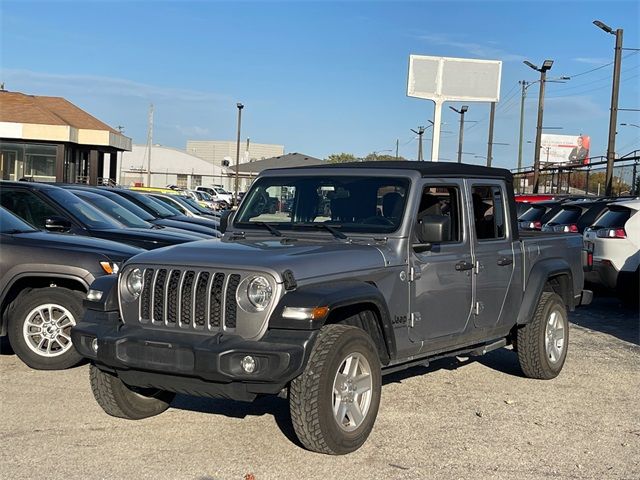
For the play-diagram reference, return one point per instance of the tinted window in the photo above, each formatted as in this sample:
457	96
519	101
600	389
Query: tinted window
9	223
442	201
153	205
613	218
28	206
169	202
84	212
534	213
123	202
112	209
566	216
488	211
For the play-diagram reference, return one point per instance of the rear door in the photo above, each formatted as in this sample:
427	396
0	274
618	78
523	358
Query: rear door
493	252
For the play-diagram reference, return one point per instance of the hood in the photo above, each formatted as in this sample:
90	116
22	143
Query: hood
77	243
306	259
143	238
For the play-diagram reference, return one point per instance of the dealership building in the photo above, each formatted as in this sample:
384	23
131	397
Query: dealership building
49	139
223	152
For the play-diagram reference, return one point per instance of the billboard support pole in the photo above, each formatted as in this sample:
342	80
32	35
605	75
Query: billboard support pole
492	117
437	120
536	162
613	119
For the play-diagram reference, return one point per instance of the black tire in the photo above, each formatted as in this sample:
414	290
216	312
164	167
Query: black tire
119	400
62	352
311	395
536	360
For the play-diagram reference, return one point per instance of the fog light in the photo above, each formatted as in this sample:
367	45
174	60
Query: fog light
94	345
248	364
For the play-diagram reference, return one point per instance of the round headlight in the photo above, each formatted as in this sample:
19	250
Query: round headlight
259	292
134	282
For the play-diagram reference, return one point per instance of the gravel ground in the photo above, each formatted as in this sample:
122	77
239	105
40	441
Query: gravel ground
456	419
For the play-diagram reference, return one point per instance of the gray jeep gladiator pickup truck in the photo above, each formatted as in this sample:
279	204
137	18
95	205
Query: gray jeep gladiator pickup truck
327	278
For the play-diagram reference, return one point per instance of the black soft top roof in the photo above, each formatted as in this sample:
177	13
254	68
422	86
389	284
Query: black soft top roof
426	169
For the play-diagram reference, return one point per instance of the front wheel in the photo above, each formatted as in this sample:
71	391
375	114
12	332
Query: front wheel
334	402
120	400
542	343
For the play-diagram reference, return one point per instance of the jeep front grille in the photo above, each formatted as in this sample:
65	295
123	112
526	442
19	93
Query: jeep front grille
189	299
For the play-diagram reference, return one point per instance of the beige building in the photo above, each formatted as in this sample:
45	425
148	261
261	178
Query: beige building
49	139
223	153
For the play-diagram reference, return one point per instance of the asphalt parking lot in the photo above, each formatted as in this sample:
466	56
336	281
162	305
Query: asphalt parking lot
476	418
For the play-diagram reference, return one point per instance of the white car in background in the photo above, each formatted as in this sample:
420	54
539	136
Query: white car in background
218	193
614	239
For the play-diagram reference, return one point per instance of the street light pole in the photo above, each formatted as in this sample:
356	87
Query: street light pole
240	107
546	66
420	132
461	112
524	84
613	118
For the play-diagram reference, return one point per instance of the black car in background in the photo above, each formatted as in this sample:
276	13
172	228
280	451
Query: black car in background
52	208
185	205
574	217
129	219
538	214
43	280
161	210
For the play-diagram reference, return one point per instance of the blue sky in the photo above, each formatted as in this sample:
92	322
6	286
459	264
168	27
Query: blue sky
319	77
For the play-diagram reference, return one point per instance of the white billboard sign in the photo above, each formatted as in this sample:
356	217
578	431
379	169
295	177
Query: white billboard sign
445	79
564	149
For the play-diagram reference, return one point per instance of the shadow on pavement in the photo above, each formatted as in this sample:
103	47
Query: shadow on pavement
608	315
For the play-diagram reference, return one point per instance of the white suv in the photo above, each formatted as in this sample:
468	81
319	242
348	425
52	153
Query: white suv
614	239
218	193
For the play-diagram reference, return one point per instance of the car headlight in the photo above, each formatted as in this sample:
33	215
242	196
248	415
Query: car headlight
133	282
254	294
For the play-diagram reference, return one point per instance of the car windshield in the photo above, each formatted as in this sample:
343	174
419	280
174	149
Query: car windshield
346	203
85	213
127	204
566	216
615	217
9	223
202	196
112	209
222	191
155	206
534	213
189	204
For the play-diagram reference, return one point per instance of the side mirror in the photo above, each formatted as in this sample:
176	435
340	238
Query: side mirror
226	218
432	229
57	224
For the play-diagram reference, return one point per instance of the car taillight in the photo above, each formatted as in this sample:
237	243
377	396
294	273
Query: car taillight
590	259
573	228
611	233
537	225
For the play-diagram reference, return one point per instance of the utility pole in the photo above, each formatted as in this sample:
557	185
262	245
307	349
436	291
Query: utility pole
524	84
546	66
149	144
397	147
240	107
461	112
613	118
492	117
420	132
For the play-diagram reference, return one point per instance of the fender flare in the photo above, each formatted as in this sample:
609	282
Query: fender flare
540	273
334	295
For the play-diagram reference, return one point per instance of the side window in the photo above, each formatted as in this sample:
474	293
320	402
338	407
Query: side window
28	206
438	203
488	212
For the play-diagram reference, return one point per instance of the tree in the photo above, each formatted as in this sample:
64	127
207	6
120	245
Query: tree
374	157
341	158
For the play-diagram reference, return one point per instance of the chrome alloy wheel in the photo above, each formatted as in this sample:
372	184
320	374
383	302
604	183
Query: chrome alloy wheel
554	343
47	328
352	388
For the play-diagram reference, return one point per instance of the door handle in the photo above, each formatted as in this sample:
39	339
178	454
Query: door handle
504	261
463	265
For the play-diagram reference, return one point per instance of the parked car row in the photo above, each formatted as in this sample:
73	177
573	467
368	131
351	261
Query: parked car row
611	233
57	238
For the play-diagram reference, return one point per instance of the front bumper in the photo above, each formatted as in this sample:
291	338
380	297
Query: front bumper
199	364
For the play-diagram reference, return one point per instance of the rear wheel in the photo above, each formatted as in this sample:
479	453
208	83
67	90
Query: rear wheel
40	323
120	400
542	343
334	403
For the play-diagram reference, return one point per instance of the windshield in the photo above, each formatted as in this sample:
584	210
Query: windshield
9	223
155	206
203	196
85	213
190	204
114	210
613	218
221	191
350	204
127	205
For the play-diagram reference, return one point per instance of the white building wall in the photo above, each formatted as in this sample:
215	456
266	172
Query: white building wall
216	150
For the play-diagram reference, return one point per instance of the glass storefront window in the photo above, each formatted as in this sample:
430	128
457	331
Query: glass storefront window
28	160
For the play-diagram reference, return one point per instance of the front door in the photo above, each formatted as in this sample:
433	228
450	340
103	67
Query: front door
441	278
493	252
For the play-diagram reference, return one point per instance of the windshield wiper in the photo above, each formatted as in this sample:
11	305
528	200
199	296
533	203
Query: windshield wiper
323	226
271	228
